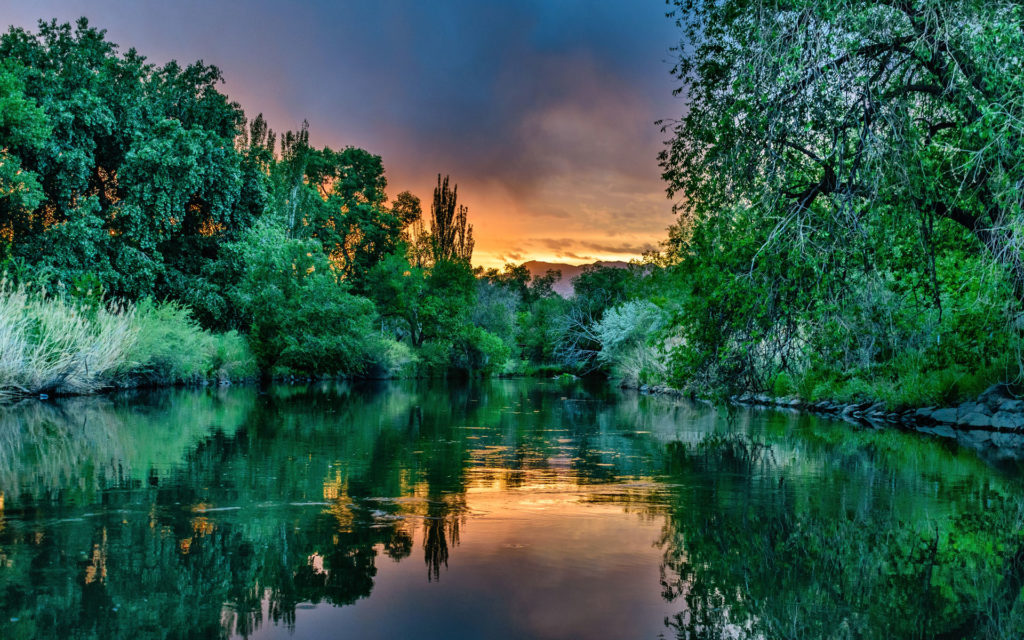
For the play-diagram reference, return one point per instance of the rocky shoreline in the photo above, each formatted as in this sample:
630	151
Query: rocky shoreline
992	424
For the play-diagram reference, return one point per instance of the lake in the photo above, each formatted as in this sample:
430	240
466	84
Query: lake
491	509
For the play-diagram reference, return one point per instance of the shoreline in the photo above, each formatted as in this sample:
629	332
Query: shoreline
992	424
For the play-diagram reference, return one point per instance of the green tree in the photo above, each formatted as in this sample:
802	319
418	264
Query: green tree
299	315
139	173
23	129
831	150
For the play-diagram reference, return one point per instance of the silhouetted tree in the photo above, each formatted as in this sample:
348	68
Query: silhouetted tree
452	237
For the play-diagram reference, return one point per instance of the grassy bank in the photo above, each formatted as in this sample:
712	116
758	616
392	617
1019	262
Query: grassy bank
56	344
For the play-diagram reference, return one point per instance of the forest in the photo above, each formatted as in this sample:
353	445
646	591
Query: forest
846	177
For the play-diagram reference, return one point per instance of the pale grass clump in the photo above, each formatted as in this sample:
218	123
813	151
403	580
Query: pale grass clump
52	345
630	345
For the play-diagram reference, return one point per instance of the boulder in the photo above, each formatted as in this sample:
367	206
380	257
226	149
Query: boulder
876	409
968	408
976	420
943	431
1013	441
947	416
1011	405
1008	420
994	394
924	412
979	439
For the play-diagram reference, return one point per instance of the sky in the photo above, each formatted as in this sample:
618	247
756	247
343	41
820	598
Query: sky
542	111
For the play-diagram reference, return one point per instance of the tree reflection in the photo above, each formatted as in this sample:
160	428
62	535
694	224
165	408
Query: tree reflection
213	513
752	554
441	525
216	513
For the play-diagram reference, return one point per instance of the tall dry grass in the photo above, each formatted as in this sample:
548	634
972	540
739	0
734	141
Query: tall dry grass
57	345
49	344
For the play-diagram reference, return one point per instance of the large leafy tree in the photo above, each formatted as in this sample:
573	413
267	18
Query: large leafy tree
823	114
23	125
139	175
828	142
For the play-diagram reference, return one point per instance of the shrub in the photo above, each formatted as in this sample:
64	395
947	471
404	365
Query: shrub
171	348
479	351
392	359
627	334
300	317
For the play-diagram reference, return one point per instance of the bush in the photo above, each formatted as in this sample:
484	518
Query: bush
171	348
393	359
479	351
628	334
300	317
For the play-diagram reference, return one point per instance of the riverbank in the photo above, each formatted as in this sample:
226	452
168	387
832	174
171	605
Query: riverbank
72	343
992	423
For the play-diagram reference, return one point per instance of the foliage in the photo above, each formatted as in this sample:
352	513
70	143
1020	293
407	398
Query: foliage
392	359
170	348
451	236
802	568
298	315
138	181
49	344
62	344
626	334
846	218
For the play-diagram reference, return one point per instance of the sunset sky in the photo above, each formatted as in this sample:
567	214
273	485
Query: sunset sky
542	111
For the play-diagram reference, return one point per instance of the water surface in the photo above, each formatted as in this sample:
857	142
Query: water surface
496	509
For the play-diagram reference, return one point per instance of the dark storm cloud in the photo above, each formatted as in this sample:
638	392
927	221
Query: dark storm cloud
550	103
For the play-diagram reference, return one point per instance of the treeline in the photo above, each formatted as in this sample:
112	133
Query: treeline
151	234
849	224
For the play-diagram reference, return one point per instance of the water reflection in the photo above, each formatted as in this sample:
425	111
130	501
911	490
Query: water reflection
538	511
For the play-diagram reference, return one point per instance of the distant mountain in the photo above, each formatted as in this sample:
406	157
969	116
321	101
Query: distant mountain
563	287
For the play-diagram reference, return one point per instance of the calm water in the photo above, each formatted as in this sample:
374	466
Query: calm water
500	509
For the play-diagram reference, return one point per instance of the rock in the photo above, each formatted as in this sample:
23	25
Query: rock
1011	405
877	408
762	399
1008	440
947	416
923	414
1007	420
968	408
976	419
995	393
943	431
980	439
849	410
